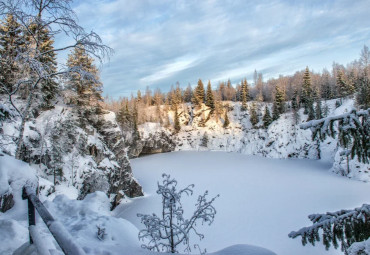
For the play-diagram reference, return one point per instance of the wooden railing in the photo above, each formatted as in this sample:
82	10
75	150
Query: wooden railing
60	234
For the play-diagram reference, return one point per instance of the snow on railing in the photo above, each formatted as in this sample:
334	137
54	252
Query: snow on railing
60	234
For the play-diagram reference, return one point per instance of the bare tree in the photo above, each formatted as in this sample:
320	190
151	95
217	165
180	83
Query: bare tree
171	229
59	19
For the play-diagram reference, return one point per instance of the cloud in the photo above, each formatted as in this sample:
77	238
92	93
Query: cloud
159	42
169	70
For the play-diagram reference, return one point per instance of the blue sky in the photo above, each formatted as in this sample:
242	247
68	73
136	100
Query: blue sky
160	42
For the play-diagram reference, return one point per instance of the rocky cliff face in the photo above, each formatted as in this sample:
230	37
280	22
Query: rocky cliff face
152	139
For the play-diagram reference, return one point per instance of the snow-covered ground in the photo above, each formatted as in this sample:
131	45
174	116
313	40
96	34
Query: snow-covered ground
261	199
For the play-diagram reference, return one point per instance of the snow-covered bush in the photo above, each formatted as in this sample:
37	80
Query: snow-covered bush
165	232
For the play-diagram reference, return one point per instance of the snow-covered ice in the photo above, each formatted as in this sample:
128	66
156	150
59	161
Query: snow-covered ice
261	200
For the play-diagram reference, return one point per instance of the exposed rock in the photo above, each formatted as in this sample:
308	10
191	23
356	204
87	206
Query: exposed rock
6	202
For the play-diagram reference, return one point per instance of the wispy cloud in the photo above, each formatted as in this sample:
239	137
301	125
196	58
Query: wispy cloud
159	42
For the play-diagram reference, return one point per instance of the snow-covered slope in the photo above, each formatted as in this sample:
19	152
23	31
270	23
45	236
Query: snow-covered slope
74	155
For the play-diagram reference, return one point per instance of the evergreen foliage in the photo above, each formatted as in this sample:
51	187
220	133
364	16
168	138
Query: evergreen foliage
176	121
12	43
353	132
244	94
210	102
86	84
363	95
345	227
345	86
49	87
254	117
198	95
307	95
279	103
205	139
267	119
226	118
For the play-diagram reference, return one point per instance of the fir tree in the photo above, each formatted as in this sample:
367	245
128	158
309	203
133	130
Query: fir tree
363	95
244	94
295	105
188	94
49	87
254	117
198	96
89	88
278	107
267	120
345	86
318	109
307	95
12	43
226	118
176	121
210	102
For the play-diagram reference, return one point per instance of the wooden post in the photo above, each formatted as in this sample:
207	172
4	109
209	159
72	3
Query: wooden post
31	211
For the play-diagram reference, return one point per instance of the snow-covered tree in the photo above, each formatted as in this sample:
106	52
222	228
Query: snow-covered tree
267	119
344	227
166	231
226	118
210	102
244	94
353	132
205	139
58	18
253	115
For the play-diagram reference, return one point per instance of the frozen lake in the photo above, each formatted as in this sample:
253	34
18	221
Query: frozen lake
261	200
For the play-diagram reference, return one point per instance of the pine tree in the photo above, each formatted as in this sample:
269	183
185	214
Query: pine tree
12	43
176	121
279	103
188	94
363	95
307	95
226	118
254	117
345	86
198	96
49	87
318	109
244	94
295	105
89	88
267	119
210	102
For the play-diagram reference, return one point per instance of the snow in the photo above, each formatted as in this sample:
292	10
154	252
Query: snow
261	200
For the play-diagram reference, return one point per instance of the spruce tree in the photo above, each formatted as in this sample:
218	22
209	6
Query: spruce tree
279	103
244	94
318	109
49	87
188	94
88	88
267	119
199	92
210	102
254	117
345	86
363	95
307	93
226	118
12	43
176	121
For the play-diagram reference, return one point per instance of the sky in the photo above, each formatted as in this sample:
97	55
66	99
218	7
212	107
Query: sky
160	42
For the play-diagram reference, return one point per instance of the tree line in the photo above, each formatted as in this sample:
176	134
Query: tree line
305	89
